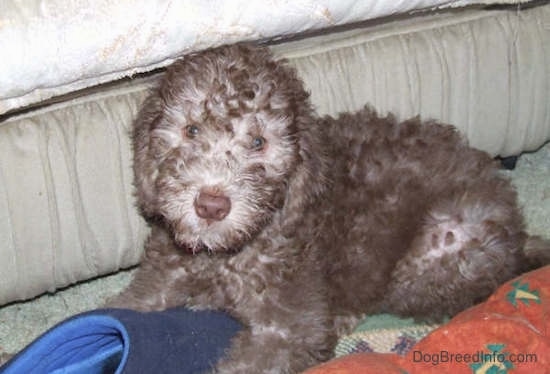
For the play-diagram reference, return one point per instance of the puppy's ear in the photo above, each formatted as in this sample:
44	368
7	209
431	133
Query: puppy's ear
310	178
145	166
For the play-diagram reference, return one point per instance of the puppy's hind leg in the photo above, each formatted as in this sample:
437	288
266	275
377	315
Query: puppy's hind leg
464	250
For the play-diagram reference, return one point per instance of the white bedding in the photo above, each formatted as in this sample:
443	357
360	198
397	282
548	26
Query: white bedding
52	47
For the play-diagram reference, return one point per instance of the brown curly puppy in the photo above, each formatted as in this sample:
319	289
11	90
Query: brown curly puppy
298	225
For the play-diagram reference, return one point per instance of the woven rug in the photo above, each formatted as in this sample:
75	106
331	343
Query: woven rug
383	333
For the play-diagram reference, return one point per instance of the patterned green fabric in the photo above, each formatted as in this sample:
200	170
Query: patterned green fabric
383	333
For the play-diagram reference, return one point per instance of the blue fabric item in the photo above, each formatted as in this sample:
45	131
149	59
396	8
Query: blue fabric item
124	341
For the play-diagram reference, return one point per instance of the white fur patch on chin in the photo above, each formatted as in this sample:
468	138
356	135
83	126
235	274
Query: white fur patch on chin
217	236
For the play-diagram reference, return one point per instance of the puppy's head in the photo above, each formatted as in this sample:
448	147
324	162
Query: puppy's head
217	145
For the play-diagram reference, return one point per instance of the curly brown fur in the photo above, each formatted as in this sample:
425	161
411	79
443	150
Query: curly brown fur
297	225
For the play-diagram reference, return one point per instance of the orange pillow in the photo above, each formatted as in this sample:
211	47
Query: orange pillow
505	334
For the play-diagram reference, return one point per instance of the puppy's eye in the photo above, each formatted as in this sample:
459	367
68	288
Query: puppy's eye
191	131
248	94
258	143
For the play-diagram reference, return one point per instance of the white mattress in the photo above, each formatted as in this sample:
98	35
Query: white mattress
52	47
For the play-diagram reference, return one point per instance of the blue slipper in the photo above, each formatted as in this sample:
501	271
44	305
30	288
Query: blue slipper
124	341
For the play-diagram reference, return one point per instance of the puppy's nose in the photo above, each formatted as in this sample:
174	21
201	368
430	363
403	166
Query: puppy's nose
212	206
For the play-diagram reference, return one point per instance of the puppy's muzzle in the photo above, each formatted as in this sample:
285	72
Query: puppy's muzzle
211	205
